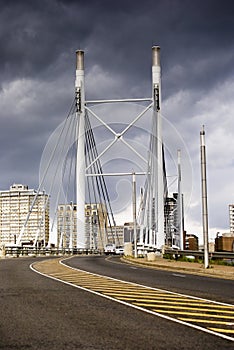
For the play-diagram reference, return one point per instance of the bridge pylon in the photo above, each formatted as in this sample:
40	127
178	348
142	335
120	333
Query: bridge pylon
151	219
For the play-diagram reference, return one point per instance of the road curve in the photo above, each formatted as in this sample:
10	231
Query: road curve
41	313
201	286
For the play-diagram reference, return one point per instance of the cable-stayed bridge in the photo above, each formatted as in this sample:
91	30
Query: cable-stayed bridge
100	142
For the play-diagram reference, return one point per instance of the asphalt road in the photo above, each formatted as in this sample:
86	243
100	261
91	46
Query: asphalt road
204	287
40	313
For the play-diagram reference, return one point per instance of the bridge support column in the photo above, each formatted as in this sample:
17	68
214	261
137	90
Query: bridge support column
80	158
159	185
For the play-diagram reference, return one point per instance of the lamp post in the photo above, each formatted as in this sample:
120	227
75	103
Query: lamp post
204	197
134	212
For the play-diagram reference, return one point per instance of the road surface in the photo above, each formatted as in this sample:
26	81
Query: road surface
42	313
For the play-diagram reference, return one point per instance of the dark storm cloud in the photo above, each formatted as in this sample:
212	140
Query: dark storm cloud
118	36
38	40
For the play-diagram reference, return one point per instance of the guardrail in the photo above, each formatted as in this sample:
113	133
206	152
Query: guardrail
31	251
18	251
200	254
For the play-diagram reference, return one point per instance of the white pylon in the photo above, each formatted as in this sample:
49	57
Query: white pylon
80	158
159	195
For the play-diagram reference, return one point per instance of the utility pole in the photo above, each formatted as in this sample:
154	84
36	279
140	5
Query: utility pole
204	198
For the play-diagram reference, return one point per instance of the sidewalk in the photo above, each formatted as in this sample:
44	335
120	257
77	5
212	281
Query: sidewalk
217	271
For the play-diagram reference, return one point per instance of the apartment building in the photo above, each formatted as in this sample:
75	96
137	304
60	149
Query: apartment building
19	207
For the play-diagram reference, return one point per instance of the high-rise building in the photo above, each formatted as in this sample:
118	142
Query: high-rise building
95	226
231	217
19	207
171	217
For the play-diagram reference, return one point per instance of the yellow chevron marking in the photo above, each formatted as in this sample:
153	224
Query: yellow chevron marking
166	302
220	330
203	321
165	297
190	314
181	307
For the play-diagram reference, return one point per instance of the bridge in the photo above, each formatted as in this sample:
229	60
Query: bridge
100	145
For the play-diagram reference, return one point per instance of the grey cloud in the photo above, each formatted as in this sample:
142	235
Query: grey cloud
38	40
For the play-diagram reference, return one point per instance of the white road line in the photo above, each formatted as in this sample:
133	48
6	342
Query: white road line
178	275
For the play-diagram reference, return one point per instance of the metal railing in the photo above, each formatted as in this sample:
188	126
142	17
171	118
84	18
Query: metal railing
200	254
33	251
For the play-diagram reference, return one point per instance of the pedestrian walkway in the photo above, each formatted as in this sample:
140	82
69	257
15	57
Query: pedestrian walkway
217	271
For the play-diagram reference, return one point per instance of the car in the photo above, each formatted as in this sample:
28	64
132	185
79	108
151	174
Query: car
110	249
119	251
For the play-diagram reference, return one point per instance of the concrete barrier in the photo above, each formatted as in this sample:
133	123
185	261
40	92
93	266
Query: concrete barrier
128	249
151	256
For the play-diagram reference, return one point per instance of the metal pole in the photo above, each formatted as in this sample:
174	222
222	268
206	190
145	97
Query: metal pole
182	211
180	231
204	198
156	92
134	212
80	157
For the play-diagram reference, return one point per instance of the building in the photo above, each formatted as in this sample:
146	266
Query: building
24	216
66	226
171	221
191	242
231	217
115	235
128	234
95	226
96	222
224	243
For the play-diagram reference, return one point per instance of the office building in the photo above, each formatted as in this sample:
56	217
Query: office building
95	226
24	216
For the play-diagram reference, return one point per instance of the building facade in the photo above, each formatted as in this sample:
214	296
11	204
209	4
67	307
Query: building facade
172	223
224	243
115	235
128	234
231	217
95	226
24	216
191	242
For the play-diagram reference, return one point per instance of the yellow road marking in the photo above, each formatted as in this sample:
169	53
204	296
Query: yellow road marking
190	314
220	330
152	300
203	321
182	307
166	302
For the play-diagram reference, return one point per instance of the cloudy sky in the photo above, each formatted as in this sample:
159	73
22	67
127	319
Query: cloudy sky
38	40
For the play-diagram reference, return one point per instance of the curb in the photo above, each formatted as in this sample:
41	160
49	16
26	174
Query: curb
204	272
